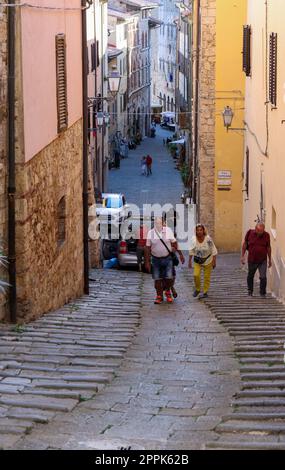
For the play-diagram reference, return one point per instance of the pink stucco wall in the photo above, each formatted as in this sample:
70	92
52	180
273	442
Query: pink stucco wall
39	28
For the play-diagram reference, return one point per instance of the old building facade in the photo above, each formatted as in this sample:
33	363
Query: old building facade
264	165
217	83
118	59
3	148
97	42
48	155
163	39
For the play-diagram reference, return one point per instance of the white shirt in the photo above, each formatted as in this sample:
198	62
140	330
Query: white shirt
156	245
204	249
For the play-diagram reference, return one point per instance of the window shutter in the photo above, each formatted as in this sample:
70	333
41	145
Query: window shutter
61	82
97	53
273	69
246	55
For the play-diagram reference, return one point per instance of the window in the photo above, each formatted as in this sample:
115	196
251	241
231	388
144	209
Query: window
246	55
61	222
93	57
61	83
273	69
97	53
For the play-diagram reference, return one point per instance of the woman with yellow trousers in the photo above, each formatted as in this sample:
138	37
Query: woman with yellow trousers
205	253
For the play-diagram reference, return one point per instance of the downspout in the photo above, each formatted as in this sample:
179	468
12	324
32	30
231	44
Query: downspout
85	147
11	165
102	94
96	181
196	117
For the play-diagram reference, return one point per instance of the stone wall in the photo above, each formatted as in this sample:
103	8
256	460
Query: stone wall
207	109
49	274
3	146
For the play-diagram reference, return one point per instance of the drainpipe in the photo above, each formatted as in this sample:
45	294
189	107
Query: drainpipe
85	146
11	166
103	64
196	117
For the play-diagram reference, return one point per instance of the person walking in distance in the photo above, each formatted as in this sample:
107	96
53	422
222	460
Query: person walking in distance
257	243
143	166
141	236
205	253
149	165
159	246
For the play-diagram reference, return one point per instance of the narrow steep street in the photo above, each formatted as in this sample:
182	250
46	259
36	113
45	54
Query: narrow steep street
112	370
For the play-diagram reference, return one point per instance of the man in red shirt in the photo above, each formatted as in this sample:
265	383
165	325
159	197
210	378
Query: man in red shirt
141	237
149	164
257	243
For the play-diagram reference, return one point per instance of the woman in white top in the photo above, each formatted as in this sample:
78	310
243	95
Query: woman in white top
205	253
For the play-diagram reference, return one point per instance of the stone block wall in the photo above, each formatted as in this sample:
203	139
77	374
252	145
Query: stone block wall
207	118
3	147
50	273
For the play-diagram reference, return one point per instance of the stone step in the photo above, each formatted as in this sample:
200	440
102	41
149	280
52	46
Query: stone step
39	402
257	348
258	416
246	371
259	401
30	414
234	426
261	393
245	445
263	384
14	429
264	375
265	362
61	384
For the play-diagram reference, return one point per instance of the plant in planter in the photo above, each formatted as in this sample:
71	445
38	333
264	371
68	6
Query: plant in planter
172	149
185	174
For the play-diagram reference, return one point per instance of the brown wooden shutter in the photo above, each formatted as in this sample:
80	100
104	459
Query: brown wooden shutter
61	82
246	54
273	69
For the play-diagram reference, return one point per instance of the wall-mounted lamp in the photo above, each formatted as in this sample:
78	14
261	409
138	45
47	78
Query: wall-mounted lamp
100	119
114	80
228	116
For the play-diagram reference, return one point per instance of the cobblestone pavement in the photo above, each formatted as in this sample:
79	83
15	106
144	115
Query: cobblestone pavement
175	382
163	186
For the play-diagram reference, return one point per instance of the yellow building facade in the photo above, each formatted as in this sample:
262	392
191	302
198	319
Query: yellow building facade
264	167
218	82
229	145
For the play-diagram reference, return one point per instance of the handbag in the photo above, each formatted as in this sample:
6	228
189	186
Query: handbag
173	255
199	260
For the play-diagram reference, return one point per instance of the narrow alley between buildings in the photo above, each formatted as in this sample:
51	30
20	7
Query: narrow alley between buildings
113	370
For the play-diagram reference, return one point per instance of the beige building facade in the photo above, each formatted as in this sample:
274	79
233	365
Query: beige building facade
264	163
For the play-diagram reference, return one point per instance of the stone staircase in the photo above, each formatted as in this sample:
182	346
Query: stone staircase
257	327
51	365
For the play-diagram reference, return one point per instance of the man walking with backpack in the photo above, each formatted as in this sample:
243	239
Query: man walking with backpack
257	243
